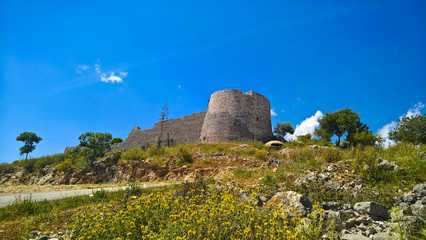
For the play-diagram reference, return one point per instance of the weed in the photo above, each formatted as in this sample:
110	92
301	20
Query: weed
134	154
261	155
331	155
268	180
240	173
183	156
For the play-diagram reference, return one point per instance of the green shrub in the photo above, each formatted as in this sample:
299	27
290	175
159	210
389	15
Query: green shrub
64	166
240	173
268	180
303	155
331	155
100	195
116	140
134	154
153	151
113	159
183	156
261	155
6	168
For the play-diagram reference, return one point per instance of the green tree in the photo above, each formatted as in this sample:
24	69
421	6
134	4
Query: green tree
341	123
117	140
29	139
304	138
366	138
92	146
281	129
410	129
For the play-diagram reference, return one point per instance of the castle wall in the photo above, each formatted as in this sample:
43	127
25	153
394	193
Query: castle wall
181	130
233	115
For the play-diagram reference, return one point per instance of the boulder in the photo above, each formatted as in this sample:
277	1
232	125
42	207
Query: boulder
420	190
373	209
388	166
294	200
352	236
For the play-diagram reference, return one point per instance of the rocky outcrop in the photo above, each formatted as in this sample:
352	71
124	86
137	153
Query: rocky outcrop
414	201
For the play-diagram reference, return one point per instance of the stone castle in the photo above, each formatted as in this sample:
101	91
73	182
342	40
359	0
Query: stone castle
231	115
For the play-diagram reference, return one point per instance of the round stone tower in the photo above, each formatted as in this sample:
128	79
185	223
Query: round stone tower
233	115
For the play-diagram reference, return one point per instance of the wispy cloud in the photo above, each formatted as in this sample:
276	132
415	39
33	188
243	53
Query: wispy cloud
307	126
384	131
273	113
112	78
81	68
105	76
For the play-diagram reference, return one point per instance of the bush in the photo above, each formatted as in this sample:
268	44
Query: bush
134	154
183	156
116	140
268	180
331	155
261	155
153	151
64	166
240	173
303	155
6	168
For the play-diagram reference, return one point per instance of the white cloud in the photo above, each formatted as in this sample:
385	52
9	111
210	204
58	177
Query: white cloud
273	113
417	110
81	68
105	76
307	126
384	131
98	68
113	78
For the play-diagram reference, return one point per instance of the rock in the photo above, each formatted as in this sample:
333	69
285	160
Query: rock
389	166
274	143
331	206
420	190
358	221
384	236
409	198
418	209
292	199
354	237
373	209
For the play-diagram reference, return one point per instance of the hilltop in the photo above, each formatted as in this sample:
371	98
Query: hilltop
323	174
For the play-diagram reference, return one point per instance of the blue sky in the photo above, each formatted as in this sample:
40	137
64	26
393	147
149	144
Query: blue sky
107	66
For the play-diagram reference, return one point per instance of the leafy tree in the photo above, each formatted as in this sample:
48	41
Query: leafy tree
304	138
410	129
281	129
366	138
92	146
29	139
117	140
341	123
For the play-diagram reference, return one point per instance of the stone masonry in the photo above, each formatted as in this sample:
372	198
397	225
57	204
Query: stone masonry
231	115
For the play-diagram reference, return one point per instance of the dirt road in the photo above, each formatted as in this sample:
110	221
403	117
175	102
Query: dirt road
57	195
